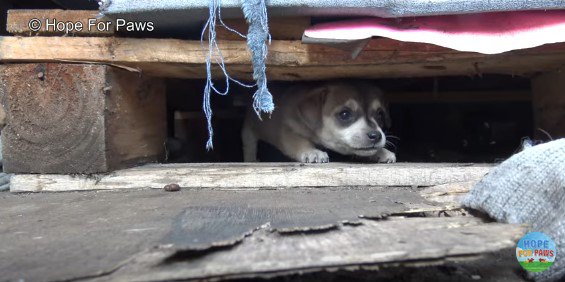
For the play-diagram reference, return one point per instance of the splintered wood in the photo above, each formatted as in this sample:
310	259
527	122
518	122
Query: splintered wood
396	242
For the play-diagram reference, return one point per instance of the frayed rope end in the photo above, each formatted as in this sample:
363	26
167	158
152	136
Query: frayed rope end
255	12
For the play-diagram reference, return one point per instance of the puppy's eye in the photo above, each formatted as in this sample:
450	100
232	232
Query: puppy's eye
345	114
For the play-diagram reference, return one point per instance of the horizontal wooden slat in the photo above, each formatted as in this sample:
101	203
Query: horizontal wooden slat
18	23
258	175
287	60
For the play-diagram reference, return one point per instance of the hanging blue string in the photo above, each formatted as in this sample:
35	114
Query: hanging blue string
255	12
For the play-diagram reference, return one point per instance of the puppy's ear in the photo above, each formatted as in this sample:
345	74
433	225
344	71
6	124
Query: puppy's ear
310	108
382	97
377	92
387	121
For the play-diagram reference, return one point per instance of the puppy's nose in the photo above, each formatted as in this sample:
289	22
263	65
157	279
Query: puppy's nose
375	136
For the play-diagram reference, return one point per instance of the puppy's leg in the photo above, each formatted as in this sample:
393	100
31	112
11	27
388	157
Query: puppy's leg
301	149
249	140
384	156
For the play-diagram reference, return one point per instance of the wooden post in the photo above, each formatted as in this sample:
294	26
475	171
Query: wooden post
80	118
549	104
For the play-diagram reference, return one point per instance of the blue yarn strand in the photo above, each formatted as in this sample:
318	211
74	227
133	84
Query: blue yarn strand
255	12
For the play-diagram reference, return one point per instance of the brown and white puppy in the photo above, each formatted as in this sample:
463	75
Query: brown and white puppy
343	117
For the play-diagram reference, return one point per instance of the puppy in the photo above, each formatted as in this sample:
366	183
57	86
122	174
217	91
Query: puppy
343	117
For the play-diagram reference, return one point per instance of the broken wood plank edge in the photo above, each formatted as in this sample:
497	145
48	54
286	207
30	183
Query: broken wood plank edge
131	69
155	258
378	266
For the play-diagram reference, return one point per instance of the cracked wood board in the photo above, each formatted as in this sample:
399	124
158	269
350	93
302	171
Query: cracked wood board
371	243
85	233
88	234
257	175
288	60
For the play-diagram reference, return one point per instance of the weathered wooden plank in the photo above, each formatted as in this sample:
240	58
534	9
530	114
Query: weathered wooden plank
73	118
202	232
136	123
284	53
18	23
287	60
58	22
371	243
549	105
257	175
449	194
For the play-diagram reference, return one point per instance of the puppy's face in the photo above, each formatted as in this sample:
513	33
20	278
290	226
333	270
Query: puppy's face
352	118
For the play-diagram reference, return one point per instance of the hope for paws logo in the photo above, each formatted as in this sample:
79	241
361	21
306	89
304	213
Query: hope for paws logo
536	252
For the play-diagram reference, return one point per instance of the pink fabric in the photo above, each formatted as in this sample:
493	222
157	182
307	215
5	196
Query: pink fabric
488	33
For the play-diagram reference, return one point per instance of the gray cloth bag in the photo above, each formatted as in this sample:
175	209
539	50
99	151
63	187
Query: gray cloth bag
529	188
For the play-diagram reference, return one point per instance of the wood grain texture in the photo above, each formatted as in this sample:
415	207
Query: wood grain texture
549	104
73	118
54	118
371	243
18	22
210	233
136	123
287	60
287	28
257	175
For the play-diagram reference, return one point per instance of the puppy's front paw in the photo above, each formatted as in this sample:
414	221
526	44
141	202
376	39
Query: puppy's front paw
384	156
314	156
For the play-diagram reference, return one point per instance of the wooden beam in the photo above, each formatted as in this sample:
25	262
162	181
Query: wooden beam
288	60
74	118
549	105
58	22
18	23
258	175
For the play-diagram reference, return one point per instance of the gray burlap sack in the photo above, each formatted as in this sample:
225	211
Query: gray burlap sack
529	188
